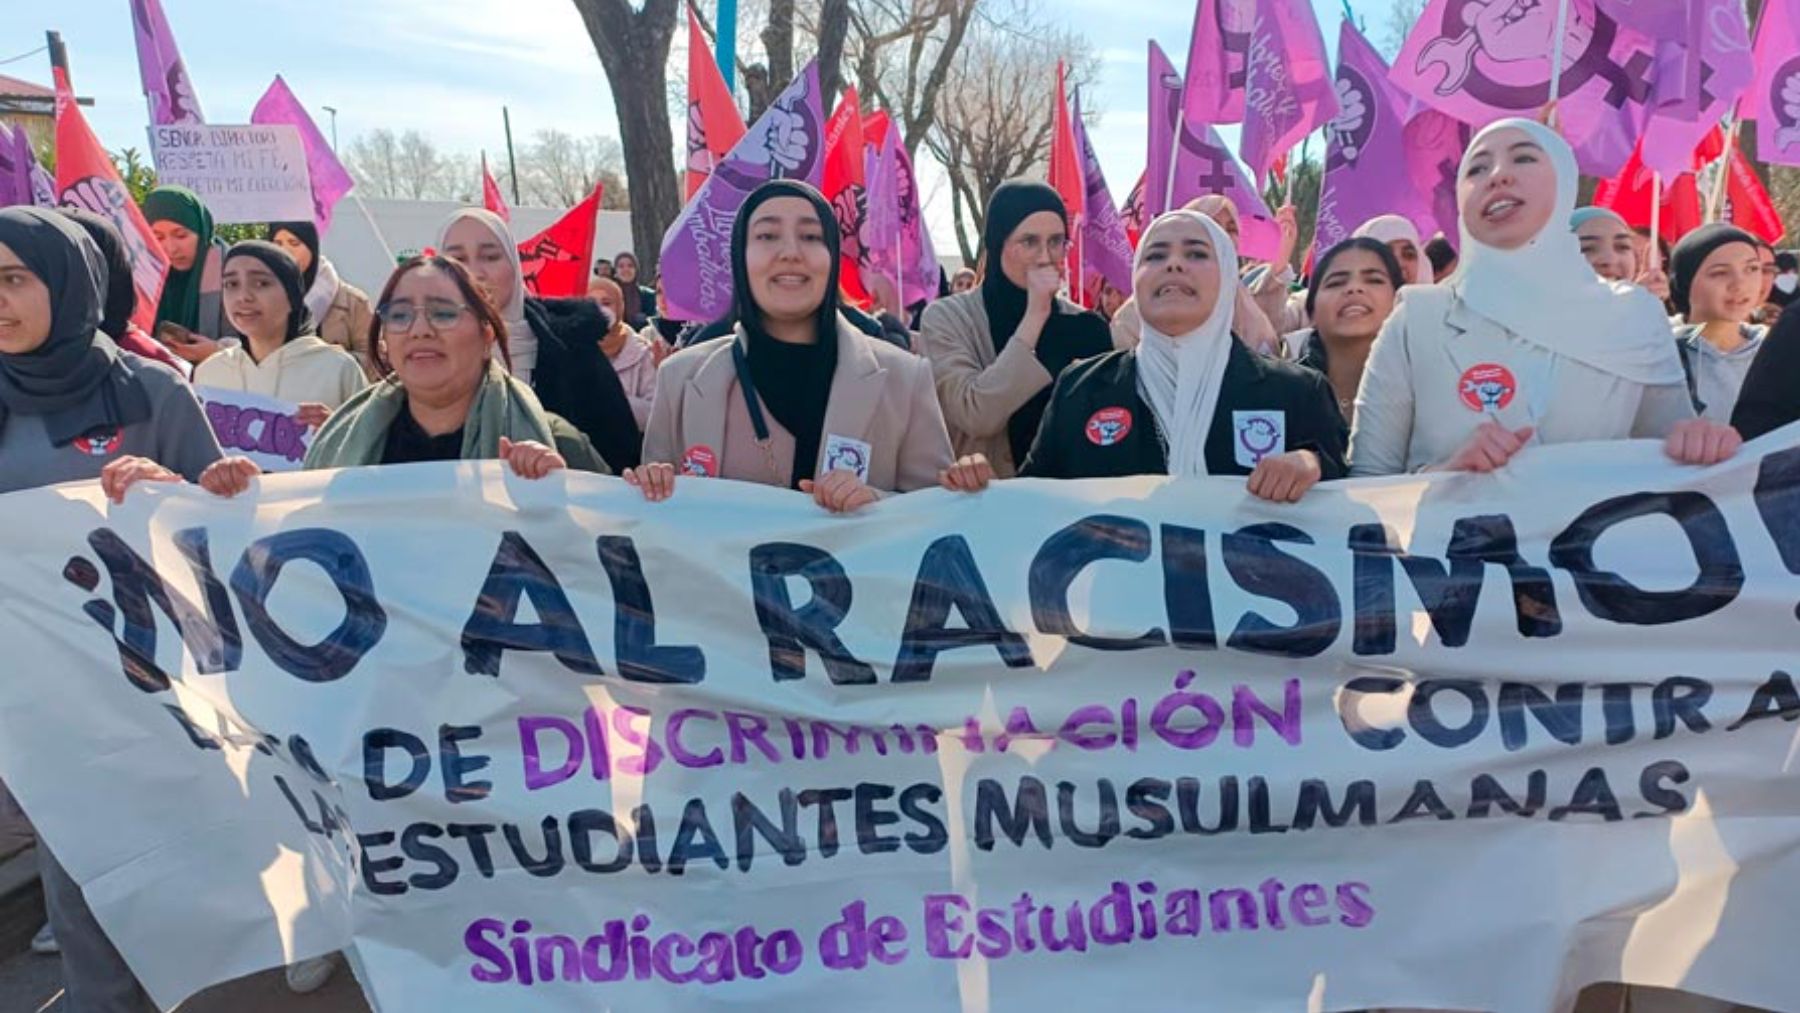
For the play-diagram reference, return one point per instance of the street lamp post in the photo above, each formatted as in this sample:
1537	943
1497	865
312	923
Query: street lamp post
333	111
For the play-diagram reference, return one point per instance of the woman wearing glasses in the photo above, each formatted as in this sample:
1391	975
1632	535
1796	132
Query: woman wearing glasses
996	349
447	397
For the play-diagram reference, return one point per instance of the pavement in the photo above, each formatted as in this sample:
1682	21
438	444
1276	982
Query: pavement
33	984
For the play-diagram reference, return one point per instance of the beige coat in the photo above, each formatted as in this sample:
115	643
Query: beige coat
346	325
880	395
636	366
980	391
1413	412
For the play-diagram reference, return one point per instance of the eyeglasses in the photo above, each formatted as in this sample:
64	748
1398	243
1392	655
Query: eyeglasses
1056	246
400	317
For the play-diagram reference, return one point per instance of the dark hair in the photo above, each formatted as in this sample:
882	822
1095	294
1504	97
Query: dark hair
472	293
1441	254
1367	244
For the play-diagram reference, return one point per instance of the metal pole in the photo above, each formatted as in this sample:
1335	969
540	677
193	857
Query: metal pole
1655	250
725	42
333	111
59	54
1556	54
1715	201
512	163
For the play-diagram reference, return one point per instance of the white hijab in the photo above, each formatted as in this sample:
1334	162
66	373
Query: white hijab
324	291
1393	229
1546	293
521	343
1180	376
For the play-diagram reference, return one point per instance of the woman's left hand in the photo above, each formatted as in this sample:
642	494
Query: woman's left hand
972	473
1285	478
312	414
530	459
1702	441
840	492
120	475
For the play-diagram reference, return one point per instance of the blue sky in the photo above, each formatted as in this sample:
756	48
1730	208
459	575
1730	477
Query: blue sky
445	67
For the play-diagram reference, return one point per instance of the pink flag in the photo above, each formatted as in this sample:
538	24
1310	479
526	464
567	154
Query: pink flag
895	236
1434	145
1198	164
330	180
1774	99
1366	157
22	180
1218	61
1106	251
786	142
166	82
1481	61
1288	92
1702	72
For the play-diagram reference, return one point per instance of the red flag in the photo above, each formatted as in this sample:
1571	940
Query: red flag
847	191
1629	192
491	197
86	178
1067	179
1751	209
1133	212
714	125
557	260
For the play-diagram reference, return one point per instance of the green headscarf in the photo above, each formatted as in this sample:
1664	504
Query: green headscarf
180	302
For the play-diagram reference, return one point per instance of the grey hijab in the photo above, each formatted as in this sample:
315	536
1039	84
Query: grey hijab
77	380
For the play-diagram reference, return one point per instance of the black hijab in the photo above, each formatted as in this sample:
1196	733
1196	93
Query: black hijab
1692	251
1067	337
121	293
793	382
308	234
282	265
76	380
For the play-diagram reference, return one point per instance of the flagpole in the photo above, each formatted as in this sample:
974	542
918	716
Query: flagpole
1174	160
386	250
1715	201
1655	250
1556	56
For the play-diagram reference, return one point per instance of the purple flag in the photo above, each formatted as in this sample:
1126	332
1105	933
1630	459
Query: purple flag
166	81
1480	61
1774	99
330	180
1288	91
882	241
1366	165
1434	145
1703	71
786	142
1218	61
1200	164
15	172
1105	249
1659	19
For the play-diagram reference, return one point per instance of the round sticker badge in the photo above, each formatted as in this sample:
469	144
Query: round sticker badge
700	461
1108	426
100	444
1487	387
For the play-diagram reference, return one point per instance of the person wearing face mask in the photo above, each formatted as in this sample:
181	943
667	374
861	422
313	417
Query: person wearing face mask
997	348
1353	289
1190	400
1606	242
280	356
795	397
1786	288
121	292
340	311
1716	286
446	394
190	318
630	354
554	344
74	406
1524	341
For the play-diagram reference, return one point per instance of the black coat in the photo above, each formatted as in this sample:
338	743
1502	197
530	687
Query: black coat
1079	436
1771	395
574	380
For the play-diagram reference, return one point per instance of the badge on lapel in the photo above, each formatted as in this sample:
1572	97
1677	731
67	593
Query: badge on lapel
699	461
1108	426
845	454
1256	435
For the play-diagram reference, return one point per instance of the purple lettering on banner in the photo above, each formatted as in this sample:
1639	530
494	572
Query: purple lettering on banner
535	775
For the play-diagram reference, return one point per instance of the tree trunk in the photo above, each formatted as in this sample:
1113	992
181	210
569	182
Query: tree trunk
834	26
633	47
765	81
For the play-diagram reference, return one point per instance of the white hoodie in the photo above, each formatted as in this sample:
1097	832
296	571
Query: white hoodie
304	370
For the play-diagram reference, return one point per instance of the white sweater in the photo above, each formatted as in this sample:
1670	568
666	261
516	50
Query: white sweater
304	370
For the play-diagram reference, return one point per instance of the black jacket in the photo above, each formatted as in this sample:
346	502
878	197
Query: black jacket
1092	400
1770	398
574	380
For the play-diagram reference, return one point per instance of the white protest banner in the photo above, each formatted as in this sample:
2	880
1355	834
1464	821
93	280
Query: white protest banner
243	173
1457	741
264	429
